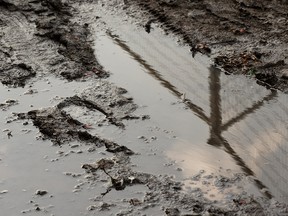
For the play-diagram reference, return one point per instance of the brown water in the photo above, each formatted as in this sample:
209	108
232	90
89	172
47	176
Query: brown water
28	164
225	124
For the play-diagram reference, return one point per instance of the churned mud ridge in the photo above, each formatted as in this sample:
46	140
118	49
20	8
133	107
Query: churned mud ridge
56	124
61	128
112	100
247	37
164	193
73	40
38	37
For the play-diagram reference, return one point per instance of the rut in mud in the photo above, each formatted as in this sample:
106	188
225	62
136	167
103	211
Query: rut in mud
39	36
176	137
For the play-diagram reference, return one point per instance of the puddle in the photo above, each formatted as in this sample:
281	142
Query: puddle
28	164
223	124
200	119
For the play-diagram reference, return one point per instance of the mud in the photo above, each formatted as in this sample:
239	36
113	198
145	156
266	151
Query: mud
243	37
38	37
58	126
43	38
164	193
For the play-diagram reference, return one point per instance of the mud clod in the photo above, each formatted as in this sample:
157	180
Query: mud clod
172	212
16	75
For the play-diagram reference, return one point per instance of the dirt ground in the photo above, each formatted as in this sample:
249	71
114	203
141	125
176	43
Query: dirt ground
40	38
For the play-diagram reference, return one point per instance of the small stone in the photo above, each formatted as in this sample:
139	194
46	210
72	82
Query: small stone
91	208
144	117
135	202
3	191
91	149
75	146
41	192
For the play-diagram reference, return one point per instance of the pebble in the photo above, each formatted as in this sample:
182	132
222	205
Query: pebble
41	192
75	146
3	191
91	208
91	149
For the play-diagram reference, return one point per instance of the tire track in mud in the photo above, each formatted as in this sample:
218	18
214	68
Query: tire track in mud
41	36
61	128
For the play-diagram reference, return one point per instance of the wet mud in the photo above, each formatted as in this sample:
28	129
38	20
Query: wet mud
243	37
39	37
43	38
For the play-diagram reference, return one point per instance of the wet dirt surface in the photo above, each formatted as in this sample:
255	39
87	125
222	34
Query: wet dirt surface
165	134
247	37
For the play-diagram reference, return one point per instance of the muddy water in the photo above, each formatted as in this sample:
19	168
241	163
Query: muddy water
201	119
168	112
28	164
